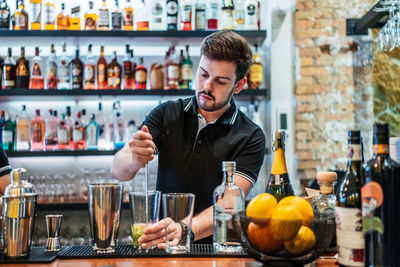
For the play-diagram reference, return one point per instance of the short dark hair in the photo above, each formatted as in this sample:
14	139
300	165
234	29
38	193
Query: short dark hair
229	46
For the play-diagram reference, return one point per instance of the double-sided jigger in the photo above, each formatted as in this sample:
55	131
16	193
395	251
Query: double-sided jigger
53	225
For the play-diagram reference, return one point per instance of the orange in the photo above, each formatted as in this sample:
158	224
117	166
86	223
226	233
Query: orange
261	207
303	242
302	205
261	238
285	222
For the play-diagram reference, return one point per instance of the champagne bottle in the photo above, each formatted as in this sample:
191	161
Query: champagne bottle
349	235
380	203
279	184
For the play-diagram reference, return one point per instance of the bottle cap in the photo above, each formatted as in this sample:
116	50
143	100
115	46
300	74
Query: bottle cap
326	180
381	134
229	166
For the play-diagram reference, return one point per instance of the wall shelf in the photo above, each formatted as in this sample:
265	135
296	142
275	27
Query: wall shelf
60	153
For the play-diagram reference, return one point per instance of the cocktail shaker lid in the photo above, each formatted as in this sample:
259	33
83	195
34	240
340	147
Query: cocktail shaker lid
19	185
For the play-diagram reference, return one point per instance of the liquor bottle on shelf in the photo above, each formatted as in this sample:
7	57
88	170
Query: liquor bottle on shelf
63	133
5	15
49	15
76	70
75	19
38	130
64	70
173	71
181	58
8	71
89	73
36	80
114	73
141	75
52	130
380	198
92	134
127	17
102	143
63	19
186	71
278	183
239	15
23	131
348	207
256	71
84	118
35	8
22	71
157	16
104	17
102	71
70	125
116	18
79	134
128	73
90	18
227	18
142	16
52	80
212	14
186	15
119	127
172	15
21	18
250	15
8	134
200	15
228	200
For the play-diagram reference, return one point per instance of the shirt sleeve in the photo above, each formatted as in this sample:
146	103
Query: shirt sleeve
5	167
155	123
251	158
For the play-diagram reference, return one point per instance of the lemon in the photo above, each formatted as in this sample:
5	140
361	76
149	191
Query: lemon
261	207
285	222
302	205
302	242
261	238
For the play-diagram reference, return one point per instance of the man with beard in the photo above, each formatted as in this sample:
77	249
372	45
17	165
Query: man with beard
193	136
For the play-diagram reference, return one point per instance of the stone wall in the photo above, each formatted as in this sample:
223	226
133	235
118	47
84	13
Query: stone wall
333	74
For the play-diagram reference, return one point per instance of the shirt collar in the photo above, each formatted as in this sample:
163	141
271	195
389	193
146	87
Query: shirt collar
229	117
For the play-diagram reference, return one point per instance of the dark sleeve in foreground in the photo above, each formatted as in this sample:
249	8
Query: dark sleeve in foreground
155	123
251	157
5	167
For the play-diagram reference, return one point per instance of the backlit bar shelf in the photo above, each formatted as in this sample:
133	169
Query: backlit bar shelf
60	153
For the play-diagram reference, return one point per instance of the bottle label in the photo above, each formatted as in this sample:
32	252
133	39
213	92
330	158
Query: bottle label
142	25
90	24
239	17
89	72
52	76
76	76
172	12
8	83
7	136
354	152
213	11
116	19
251	15
92	135
23	131
37	132
64	73
50	17
141	76
157	9
21	22
200	19
62	136
186	14
380	149
127	17
36	70
22	69
101	78
103	18
36	12
4	18
349	236
256	73
173	72
114	77
78	135
372	198
186	72
227	21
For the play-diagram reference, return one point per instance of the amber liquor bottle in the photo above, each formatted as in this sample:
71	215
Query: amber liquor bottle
114	73
8	71
128	71
102	71
89	73
5	15
21	18
22	71
76	66
141	75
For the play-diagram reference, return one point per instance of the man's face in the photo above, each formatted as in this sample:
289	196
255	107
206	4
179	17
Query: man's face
215	83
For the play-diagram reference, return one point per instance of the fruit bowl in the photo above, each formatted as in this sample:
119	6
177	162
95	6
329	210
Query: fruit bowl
255	237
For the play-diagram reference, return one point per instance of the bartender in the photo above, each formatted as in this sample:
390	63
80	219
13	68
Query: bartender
193	136
5	170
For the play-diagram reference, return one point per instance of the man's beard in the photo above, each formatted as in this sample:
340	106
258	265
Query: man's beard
216	105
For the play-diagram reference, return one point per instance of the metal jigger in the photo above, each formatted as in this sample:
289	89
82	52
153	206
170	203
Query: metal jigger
53	224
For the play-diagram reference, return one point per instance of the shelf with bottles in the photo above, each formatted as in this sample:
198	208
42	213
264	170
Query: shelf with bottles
60	153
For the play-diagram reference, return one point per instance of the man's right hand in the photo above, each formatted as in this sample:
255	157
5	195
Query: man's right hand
142	146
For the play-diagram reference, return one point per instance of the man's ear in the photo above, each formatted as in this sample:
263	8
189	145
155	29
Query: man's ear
240	85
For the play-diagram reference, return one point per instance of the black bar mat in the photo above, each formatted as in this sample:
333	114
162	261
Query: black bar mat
36	255
129	251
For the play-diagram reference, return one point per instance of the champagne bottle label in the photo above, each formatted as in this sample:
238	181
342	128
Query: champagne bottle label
349	236
36	12
7	136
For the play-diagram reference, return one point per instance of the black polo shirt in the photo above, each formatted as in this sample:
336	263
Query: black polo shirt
5	167
191	161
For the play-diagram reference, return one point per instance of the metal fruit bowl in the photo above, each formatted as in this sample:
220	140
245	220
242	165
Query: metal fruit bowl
324	231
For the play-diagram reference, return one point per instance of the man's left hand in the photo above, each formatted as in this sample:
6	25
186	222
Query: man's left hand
157	234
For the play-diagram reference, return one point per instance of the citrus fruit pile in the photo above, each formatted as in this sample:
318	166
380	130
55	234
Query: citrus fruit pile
276	226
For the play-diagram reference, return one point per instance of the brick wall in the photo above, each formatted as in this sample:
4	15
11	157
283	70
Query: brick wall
330	93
